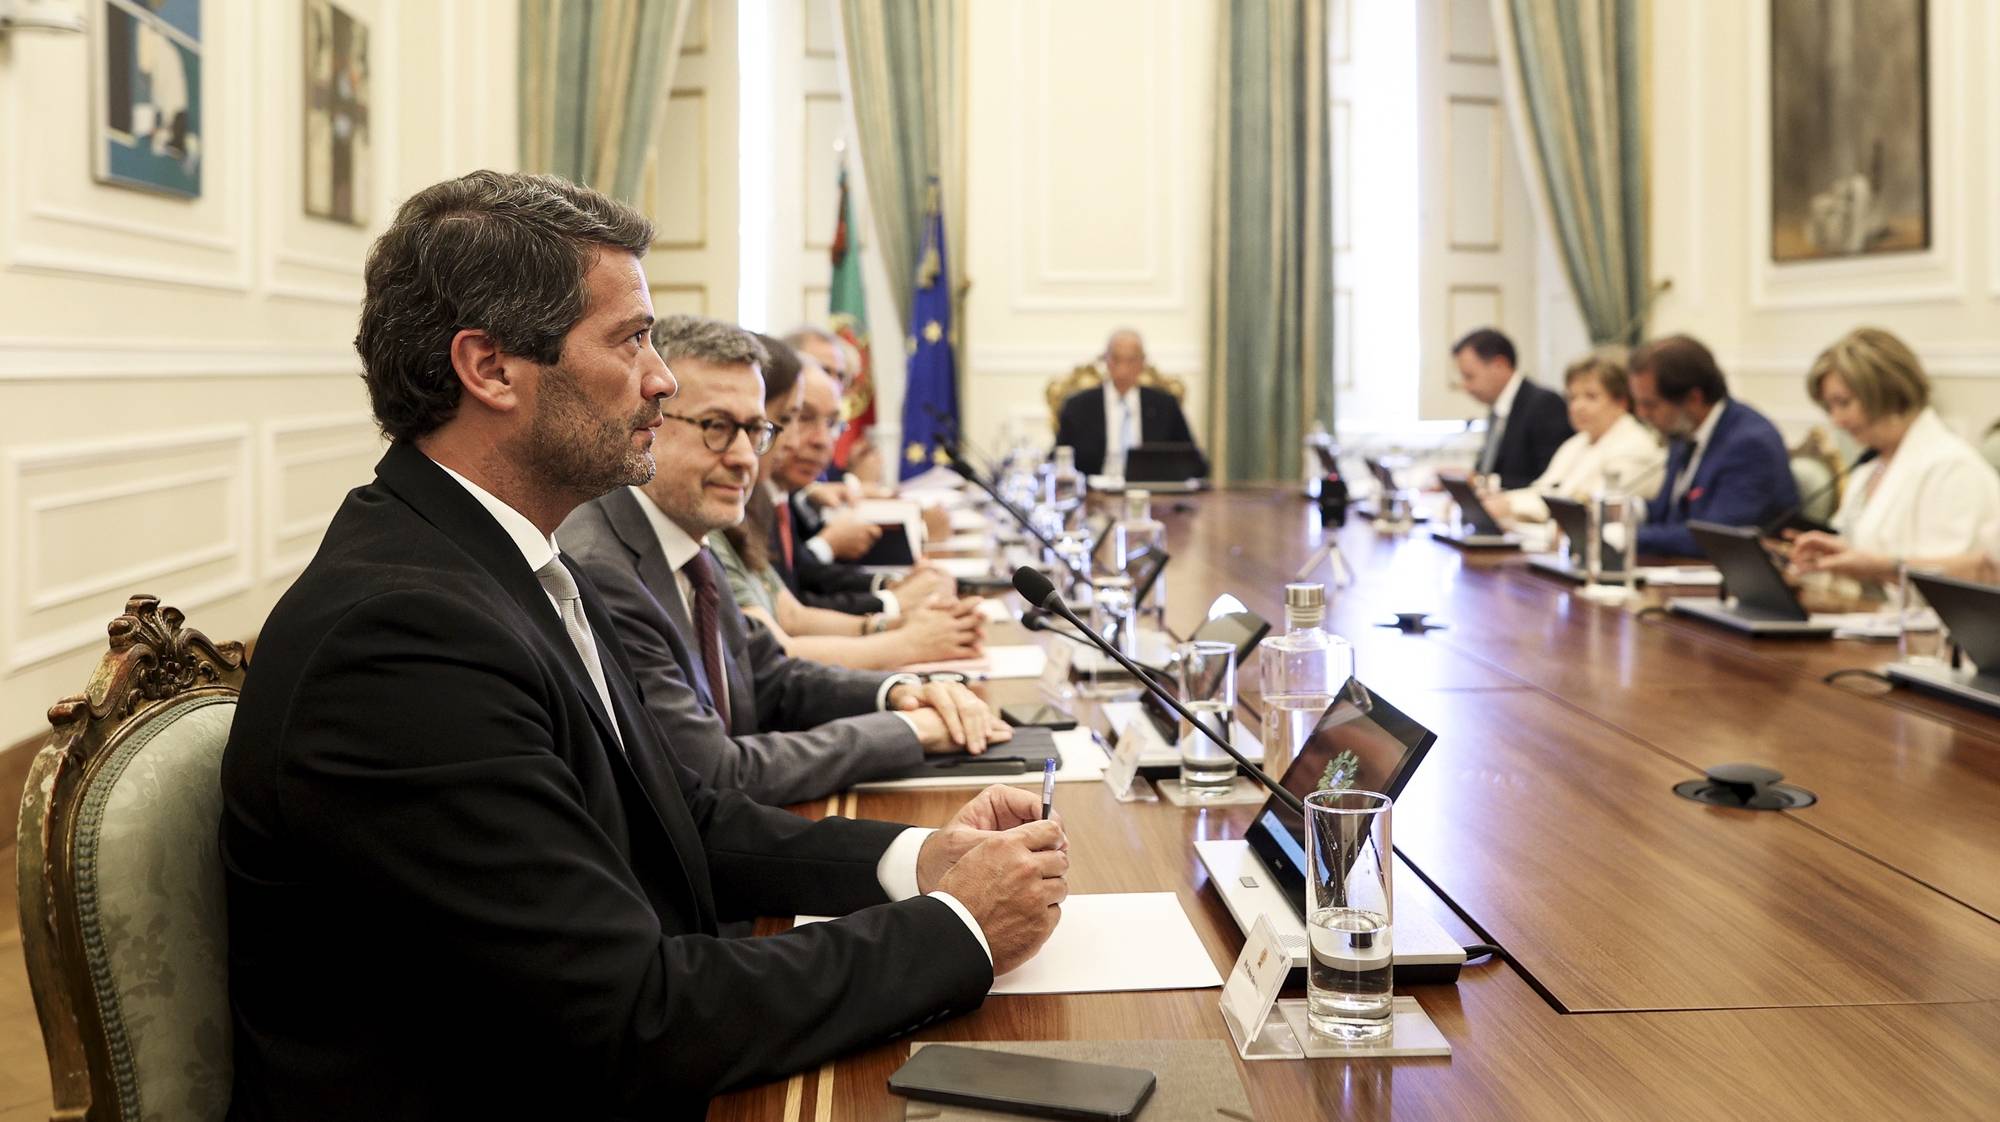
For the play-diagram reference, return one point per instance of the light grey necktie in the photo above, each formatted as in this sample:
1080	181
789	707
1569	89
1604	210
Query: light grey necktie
1490	453
558	582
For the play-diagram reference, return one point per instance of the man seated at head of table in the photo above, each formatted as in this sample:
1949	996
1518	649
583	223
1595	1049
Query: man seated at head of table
818	569
466	876
1105	422
1525	423
743	714
1610	444
1726	463
1926	494
938	627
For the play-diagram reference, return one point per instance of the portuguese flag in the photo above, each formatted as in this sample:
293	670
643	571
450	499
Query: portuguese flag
847	313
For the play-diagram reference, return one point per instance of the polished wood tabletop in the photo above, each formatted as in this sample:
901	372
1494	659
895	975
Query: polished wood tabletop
1667	959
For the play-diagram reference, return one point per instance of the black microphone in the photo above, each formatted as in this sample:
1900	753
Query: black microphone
1040	591
1792	512
1037	619
971	475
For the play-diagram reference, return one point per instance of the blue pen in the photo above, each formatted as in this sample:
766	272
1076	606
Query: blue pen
1048	787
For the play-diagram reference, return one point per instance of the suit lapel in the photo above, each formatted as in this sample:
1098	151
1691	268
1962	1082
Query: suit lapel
448	506
635	532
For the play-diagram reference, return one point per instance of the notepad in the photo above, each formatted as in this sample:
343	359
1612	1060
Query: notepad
1083	760
1111	942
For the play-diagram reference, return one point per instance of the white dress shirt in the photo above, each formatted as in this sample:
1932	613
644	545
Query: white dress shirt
1581	466
1936	497
896	871
1496	427
1703	435
1117	409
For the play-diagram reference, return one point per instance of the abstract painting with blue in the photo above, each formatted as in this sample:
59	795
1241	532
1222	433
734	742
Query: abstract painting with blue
149	123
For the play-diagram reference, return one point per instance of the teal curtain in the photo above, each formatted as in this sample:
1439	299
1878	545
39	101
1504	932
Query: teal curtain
1270	352
594	78
904	64
1575	69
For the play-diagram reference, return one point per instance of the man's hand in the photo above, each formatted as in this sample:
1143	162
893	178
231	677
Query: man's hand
963	719
937	522
829	495
1014	884
922	584
993	811
849	538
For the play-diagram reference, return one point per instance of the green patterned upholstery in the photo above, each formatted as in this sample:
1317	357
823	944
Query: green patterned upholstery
151	911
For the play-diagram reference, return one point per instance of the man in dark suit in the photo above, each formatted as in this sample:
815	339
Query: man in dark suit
1103	423
809	564
801	729
1727	462
466	877
1525	423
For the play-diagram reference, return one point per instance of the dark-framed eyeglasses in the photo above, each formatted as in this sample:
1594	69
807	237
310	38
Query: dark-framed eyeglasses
718	433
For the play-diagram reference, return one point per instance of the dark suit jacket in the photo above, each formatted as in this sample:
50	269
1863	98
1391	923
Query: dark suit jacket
452	894
835	585
1080	424
1744	479
1537	425
800	729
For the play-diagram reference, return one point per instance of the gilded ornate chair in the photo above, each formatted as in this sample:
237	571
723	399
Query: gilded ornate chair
1090	375
122	916
1816	464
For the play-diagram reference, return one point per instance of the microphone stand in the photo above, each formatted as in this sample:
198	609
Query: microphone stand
971	475
1053	602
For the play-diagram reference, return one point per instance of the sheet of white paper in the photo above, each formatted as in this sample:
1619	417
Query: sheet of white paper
1685	576
1082	760
1874	625
948	497
962	543
965	520
1116	941
995	609
1111	942
964	568
1155	650
1024	661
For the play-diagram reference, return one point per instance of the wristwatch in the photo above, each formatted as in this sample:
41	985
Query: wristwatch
946	676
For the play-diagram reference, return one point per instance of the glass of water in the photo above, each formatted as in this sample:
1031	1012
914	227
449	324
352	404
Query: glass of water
1208	689
1920	636
1348	870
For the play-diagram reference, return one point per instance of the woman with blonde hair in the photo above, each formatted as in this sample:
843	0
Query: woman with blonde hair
1926	494
1611	446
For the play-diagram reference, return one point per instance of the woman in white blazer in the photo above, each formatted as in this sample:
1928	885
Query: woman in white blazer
1927	494
1610	443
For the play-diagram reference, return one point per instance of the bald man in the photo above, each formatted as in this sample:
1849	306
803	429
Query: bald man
1103	423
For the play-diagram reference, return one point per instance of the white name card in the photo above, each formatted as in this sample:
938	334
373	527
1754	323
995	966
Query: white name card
1124	763
1055	671
1254	982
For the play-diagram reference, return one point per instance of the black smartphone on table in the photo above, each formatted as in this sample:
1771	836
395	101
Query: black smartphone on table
1023	1084
1037	714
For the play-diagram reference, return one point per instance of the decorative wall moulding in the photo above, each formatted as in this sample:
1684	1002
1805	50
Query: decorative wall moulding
65	359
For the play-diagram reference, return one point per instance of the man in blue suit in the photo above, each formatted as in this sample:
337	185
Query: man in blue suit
1727	462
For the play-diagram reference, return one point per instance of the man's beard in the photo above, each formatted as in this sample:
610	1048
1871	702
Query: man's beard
572	450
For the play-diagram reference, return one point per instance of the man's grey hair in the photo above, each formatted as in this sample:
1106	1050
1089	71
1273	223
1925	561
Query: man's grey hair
797	336
1120	332
707	340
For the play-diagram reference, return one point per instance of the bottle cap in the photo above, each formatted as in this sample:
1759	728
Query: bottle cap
1138	502
1305	604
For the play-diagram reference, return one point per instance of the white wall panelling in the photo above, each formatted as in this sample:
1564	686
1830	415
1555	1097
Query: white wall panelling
308	466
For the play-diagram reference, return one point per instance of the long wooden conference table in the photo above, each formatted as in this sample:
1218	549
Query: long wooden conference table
1668	959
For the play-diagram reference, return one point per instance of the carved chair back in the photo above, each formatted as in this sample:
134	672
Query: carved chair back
122	916
1090	375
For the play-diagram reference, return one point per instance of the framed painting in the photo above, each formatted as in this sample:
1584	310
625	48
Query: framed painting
1850	120
338	141
148	114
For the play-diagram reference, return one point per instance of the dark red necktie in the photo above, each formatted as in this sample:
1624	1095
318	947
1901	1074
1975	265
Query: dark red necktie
785	532
708	620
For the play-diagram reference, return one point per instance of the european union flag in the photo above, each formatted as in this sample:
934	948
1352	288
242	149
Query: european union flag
930	394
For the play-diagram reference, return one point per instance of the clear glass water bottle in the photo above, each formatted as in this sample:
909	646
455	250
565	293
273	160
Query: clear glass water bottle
1066	486
1299	672
1133	538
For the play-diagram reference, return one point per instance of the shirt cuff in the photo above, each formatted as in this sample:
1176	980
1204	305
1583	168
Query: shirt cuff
890	683
818	548
890	607
897	872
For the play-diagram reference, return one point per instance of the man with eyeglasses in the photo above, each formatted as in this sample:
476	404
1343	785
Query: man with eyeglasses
740	711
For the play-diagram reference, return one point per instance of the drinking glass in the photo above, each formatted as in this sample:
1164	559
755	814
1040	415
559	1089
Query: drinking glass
1208	689
1920	636
1348	913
